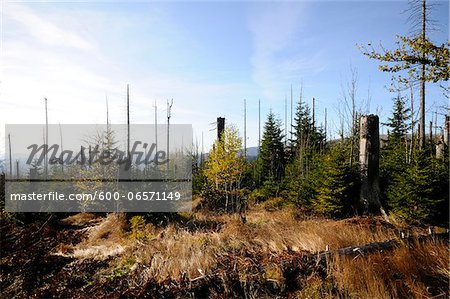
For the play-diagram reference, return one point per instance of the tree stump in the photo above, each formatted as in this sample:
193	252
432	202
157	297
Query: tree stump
220	127
369	153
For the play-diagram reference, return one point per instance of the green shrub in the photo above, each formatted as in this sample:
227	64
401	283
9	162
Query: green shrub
268	190
275	203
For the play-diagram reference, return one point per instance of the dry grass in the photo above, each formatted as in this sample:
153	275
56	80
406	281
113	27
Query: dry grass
282	231
103	240
417	271
82	219
176	251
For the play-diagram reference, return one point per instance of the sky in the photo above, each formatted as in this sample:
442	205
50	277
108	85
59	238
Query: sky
206	56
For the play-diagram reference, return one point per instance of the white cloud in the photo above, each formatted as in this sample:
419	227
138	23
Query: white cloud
74	74
43	30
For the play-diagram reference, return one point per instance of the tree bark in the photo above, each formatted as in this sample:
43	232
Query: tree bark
447	130
369	151
422	82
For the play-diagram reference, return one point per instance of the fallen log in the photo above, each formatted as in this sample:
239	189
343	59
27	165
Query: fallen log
379	246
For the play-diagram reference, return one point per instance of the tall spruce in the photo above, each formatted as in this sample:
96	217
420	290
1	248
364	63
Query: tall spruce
271	159
306	141
399	121
338	188
393	156
305	133
302	128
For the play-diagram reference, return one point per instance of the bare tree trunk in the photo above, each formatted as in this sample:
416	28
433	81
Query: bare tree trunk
220	127
411	152
245	128
259	125
431	136
352	138
422	109
422	83
369	150
128	123
46	139
10	156
440	148
447	130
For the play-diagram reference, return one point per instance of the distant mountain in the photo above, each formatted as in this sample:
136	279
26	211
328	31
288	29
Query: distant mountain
252	154
252	151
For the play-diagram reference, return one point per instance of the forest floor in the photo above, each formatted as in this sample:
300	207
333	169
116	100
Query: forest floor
204	255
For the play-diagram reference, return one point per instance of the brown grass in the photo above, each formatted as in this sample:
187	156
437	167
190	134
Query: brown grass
82	219
177	252
417	271
103	240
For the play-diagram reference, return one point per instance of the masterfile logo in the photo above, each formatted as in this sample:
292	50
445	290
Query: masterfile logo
99	168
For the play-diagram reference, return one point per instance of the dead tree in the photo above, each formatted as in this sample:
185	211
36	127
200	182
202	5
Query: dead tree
440	148
245	128
447	130
169	115
128	123
369	152
10	156
259	125
46	139
220	127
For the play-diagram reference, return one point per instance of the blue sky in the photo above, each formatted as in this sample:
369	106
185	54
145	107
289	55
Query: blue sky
207	56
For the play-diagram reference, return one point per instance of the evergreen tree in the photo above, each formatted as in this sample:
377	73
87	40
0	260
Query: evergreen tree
337	188
415	189
303	172
306	136
271	159
302	127
399	120
420	193
305	144
393	157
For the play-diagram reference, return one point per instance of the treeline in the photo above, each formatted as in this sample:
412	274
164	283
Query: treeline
322	177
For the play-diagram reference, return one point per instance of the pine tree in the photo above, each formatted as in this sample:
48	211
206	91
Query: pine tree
303	125
420	193
305	145
306	136
337	189
399	121
416	189
271	159
393	160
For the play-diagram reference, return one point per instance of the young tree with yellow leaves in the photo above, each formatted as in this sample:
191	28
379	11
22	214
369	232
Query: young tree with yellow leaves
225	168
